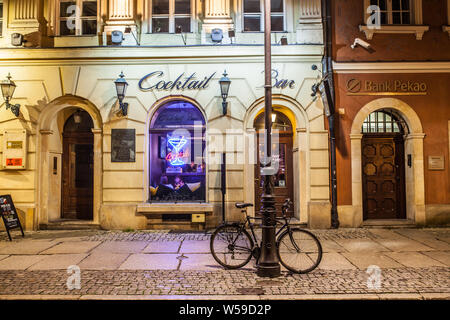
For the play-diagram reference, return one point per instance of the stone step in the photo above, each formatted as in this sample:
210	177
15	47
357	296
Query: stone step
389	223
70	225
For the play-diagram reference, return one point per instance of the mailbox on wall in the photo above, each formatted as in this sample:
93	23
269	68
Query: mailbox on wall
14	149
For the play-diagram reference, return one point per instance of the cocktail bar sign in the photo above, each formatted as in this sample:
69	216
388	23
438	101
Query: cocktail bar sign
153	81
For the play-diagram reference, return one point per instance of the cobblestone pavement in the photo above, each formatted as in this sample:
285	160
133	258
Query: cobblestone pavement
237	282
173	264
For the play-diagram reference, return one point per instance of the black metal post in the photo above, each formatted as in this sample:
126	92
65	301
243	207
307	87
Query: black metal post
223	172
327	67
268	264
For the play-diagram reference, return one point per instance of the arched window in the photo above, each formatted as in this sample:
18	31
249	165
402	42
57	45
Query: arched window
384	121
177	145
279	121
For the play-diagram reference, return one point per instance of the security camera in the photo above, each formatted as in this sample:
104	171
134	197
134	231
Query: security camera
361	43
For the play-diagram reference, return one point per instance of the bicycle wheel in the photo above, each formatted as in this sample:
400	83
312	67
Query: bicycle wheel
299	250
231	246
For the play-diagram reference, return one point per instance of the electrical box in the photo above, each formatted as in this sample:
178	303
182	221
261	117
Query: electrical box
16	39
198	217
216	35
14	149
116	37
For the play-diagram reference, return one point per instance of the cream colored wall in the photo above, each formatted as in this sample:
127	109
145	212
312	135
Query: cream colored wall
89	80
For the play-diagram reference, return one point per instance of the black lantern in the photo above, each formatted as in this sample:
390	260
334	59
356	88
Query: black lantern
8	87
224	88
121	88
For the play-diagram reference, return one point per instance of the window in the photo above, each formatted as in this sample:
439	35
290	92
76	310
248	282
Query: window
171	16
254	15
177	148
384	121
394	11
77	17
1	18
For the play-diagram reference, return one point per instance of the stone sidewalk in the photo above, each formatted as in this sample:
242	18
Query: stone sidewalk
160	264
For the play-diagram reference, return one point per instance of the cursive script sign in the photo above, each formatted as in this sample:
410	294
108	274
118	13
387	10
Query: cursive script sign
182	82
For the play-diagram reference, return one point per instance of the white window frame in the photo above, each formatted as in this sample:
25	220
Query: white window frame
78	18
389	12
172	17
416	27
261	15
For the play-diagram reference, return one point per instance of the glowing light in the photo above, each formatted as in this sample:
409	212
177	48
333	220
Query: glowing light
175	156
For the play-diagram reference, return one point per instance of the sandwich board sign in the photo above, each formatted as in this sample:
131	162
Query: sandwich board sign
9	215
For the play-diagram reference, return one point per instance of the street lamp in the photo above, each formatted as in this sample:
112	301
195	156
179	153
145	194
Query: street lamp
268	263
224	88
121	88
8	87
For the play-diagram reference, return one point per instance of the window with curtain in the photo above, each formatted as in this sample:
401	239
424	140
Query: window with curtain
77	18
253	12
171	16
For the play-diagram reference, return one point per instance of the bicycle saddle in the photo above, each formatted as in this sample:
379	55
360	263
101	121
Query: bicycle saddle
242	205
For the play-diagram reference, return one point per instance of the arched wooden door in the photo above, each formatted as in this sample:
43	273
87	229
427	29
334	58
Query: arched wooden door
383	166
78	167
284	178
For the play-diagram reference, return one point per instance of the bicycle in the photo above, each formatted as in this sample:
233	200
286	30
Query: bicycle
298	250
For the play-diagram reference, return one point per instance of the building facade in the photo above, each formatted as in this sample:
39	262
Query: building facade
73	154
393	98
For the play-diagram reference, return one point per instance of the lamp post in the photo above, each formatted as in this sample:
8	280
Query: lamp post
268	264
121	88
224	88
8	87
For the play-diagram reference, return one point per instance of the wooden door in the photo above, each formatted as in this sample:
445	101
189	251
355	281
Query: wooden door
383	176
78	175
283	180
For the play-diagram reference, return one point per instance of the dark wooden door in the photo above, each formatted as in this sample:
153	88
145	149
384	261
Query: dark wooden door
78	175
283	180
383	176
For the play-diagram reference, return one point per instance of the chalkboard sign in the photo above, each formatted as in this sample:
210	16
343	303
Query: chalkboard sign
9	215
123	145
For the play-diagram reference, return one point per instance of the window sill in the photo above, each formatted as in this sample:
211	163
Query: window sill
446	29
418	30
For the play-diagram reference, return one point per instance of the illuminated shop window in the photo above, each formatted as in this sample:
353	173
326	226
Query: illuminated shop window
394	12
171	16
77	17
177	145
384	121
254	15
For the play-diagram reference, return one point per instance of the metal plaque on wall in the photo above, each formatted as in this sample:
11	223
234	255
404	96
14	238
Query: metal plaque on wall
123	145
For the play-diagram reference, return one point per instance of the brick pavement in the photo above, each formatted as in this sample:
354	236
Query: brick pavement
414	262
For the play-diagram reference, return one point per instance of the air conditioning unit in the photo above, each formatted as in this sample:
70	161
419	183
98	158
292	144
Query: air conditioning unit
17	39
117	37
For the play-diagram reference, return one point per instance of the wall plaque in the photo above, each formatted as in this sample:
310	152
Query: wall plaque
436	163
123	145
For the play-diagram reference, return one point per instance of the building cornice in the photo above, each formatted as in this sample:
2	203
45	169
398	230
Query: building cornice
157	55
391	67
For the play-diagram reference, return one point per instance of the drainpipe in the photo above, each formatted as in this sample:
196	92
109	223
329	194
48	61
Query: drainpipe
327	73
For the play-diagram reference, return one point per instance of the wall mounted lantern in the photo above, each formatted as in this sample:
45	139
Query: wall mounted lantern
224	88
8	87
121	88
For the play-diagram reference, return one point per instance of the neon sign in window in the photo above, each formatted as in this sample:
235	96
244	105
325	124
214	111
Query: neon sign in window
176	156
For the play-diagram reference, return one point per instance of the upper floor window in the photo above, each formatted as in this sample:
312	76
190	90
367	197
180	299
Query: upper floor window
253	12
77	17
1	18
394	11
170	16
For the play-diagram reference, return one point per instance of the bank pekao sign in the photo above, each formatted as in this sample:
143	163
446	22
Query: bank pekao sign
359	87
153	81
